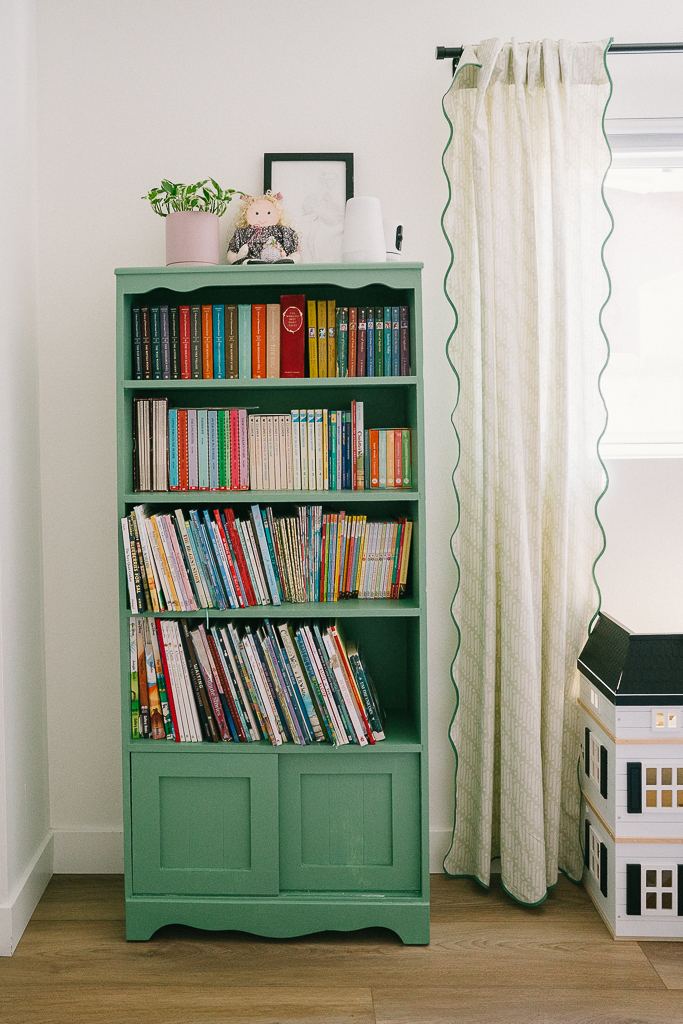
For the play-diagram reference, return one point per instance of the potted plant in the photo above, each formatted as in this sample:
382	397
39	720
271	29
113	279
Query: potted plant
191	213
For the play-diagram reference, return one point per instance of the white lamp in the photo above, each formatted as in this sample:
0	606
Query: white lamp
363	240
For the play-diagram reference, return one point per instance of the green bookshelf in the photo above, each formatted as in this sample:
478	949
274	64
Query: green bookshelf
289	840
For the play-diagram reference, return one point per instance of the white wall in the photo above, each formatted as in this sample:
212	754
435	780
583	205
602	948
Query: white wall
25	848
139	89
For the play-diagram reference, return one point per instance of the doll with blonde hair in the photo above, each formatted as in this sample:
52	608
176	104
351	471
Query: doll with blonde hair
264	233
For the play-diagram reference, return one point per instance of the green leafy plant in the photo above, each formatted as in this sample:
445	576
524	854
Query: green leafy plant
202	196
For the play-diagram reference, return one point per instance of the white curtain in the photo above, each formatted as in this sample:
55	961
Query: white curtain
526	223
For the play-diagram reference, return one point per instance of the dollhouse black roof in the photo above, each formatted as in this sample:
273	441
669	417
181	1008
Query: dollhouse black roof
633	668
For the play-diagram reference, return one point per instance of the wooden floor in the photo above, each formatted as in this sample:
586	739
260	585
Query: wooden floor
489	961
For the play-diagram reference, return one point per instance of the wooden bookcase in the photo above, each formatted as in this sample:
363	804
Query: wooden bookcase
289	840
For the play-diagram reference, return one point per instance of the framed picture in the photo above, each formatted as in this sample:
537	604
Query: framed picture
314	187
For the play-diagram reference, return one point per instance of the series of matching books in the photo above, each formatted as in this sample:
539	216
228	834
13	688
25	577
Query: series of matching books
257	341
180	564
302	684
230	449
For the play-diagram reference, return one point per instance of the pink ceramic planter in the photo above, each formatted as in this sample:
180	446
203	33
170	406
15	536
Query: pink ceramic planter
192	239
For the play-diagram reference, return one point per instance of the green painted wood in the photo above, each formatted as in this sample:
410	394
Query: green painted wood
365	809
204	827
350	825
284	916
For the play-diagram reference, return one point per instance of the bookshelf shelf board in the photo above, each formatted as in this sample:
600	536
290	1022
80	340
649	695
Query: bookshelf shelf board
391	494
404	607
314	383
402	736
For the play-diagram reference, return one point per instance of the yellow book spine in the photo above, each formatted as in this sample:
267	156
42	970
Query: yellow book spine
312	340
332	338
322	339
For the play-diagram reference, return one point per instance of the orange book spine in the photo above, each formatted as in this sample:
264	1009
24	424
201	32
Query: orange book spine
258	342
374	458
273	339
207	342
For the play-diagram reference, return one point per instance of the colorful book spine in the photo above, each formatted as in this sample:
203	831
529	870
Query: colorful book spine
370	341
322	338
136	351
332	370
196	342
258	342
185	344
207	342
174	341
292	335
155	328
312	333
404	340
231	343
146	343
395	341
361	356
273	340
173	467
165	332
218	330
388	343
244	340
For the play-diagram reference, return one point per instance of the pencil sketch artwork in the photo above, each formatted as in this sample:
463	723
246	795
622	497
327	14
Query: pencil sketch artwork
314	194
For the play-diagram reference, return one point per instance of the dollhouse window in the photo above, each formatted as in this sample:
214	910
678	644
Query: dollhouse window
659	890
594	856
594	772
664	719
595	698
664	787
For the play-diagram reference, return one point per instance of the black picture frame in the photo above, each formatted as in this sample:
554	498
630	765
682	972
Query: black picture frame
270	158
315	188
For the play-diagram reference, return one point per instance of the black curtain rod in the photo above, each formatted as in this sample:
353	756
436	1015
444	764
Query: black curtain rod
455	52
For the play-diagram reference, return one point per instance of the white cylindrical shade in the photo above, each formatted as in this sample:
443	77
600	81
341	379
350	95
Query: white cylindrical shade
363	240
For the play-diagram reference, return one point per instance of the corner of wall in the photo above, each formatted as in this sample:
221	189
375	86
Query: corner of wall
16	913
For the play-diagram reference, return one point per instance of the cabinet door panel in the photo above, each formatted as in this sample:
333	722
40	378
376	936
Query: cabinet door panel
204	825
350	823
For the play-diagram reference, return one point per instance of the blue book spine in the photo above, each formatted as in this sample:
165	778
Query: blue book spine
271	647
173	449
265	554
155	334
203	449
137	373
220	559
271	551
395	342
212	420
207	560
201	567
310	672
165	343
370	342
244	341
388	371
219	342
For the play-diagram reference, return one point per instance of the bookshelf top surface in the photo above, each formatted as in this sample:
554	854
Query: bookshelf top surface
271	268
137	280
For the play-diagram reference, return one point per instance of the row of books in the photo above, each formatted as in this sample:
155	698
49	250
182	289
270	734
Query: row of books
256	341
180	564
231	449
302	684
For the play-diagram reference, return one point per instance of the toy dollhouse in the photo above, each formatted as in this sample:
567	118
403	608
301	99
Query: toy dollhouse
631	775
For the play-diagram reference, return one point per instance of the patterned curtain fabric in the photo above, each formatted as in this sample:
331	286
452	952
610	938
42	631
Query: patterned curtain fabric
526	223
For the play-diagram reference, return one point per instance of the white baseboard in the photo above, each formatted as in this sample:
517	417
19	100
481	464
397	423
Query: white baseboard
16	913
88	852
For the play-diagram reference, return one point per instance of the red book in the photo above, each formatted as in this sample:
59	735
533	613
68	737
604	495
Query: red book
167	676
225	686
258	342
351	681
236	579
292	335
239	555
353	336
183	469
398	458
185	351
207	342
234	450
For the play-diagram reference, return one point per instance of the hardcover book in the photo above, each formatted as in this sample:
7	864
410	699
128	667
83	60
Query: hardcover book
292	335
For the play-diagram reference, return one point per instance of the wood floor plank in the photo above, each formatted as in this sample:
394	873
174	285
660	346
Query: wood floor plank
82	898
177	1004
96	952
667	960
539	1005
467	899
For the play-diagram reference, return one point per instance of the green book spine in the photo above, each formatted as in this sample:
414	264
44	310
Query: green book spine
196	342
221	449
406	458
388	344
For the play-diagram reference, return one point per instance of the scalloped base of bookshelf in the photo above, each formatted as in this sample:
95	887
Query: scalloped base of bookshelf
281	917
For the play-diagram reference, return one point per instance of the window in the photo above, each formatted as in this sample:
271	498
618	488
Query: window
665	719
659	890
595	766
663	787
595	699
643	383
594	856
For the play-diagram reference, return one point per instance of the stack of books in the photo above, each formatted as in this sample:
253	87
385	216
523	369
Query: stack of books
180	564
231	449
266	340
301	685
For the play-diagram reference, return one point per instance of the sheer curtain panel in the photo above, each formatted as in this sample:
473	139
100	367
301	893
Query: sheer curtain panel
526	223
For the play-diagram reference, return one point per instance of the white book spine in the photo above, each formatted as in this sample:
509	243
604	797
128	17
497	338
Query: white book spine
296	450
191	560
129	566
174	568
312	474
173	684
252	452
264	691
272	478
351	707
333	710
235	678
319	468
277	454
180	562
147	558
267	486
282	423
326	451
195	724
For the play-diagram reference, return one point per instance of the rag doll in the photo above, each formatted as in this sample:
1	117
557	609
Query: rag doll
263	233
